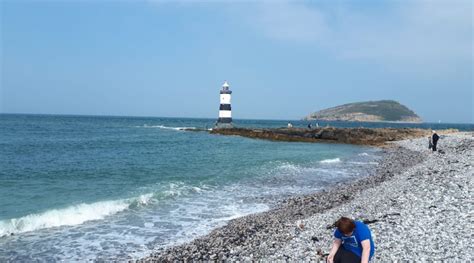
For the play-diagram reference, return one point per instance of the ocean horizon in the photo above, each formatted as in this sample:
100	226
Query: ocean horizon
463	126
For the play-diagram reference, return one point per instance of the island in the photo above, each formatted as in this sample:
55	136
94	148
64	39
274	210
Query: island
368	111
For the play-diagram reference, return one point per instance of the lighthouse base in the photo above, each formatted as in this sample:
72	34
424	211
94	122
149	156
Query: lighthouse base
221	125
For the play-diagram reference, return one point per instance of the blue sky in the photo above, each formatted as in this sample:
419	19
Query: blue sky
283	59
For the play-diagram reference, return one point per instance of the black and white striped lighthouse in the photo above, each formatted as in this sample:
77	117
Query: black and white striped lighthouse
225	111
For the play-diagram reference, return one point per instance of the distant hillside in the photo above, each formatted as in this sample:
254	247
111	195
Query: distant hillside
382	110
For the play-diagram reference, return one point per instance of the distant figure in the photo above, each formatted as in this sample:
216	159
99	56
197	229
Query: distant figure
434	139
317	125
352	242
309	126
290	125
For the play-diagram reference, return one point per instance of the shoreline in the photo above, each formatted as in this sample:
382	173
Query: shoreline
290	231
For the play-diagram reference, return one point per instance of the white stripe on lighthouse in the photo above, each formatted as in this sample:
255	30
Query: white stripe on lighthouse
225	114
225	98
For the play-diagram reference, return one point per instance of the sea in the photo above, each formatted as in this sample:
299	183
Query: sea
80	188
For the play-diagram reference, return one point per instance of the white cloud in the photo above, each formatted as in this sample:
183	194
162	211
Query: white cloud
427	35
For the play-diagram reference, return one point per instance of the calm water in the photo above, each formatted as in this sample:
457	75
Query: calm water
77	187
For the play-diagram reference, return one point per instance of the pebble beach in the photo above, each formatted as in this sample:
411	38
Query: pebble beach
418	204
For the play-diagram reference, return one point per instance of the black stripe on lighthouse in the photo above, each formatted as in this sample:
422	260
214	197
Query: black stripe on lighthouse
224	120
225	107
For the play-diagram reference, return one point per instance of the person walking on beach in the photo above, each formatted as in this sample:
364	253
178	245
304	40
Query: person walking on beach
309	126
434	139
352	242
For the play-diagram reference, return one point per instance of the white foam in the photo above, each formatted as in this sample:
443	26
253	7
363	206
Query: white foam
145	199
289	166
69	216
335	160
148	225
294	169
196	189
234	211
363	154
166	127
363	163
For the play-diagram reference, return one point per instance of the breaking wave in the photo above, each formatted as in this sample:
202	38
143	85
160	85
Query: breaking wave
69	216
335	160
166	127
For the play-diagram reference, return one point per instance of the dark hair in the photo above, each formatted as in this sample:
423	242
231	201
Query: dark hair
345	225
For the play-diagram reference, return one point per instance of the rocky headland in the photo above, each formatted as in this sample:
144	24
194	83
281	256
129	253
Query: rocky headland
418	204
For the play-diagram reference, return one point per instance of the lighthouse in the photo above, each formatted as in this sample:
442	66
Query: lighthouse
225	112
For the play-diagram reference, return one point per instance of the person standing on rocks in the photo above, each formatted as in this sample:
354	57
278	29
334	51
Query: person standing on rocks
434	139
352	242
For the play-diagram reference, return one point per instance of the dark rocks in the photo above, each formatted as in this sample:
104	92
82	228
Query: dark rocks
391	214
362	136
368	221
332	226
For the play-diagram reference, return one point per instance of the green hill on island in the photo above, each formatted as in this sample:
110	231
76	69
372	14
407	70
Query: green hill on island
368	111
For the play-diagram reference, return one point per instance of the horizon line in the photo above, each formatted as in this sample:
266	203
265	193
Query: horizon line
177	117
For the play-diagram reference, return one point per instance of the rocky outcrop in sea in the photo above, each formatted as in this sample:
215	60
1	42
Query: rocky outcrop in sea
360	136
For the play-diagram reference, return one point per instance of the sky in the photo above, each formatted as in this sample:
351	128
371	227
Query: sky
282	59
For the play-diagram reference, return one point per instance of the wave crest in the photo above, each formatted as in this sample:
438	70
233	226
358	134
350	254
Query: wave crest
69	216
166	127
81	213
335	160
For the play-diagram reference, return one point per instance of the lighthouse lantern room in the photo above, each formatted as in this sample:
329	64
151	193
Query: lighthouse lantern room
225	111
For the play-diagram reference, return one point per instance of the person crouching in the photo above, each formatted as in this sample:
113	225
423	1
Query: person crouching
352	242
